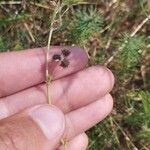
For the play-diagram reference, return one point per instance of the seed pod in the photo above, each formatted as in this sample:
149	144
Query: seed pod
64	63
66	52
56	57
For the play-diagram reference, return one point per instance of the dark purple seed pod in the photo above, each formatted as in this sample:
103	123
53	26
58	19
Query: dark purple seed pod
66	52
56	57
64	63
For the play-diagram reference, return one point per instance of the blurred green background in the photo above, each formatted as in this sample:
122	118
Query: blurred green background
114	33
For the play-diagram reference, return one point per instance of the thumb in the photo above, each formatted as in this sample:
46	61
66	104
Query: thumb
40	127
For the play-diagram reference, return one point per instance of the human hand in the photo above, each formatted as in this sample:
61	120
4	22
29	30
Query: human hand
80	99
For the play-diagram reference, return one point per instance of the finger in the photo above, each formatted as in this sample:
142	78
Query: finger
42	127
37	128
79	142
67	93
23	69
80	120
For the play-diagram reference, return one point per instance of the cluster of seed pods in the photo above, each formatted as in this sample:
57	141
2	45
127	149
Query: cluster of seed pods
62	58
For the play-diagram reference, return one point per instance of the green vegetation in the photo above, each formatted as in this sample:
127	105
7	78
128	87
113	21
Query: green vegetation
85	23
115	33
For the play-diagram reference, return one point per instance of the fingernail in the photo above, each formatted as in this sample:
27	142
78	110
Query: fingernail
50	119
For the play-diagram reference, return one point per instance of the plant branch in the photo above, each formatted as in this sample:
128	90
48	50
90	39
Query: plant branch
29	31
140	26
48	76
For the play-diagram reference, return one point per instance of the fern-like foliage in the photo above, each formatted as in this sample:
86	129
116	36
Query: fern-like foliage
13	18
86	22
140	117
130	52
145	96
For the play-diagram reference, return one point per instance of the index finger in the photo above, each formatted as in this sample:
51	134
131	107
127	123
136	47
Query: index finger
24	69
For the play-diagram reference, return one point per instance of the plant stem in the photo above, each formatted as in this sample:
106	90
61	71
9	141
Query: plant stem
48	76
64	143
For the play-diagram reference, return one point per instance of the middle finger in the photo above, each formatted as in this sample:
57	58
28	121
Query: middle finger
68	93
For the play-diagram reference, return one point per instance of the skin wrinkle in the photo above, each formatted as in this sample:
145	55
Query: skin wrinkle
108	98
37	137
101	74
12	141
62	95
14	136
64	87
80	86
2	91
2	142
8	139
4	112
71	130
69	102
10	103
76	131
94	116
16	133
65	100
38	140
107	111
10	108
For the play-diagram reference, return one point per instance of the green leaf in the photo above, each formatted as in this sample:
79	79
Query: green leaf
129	56
145	95
86	22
